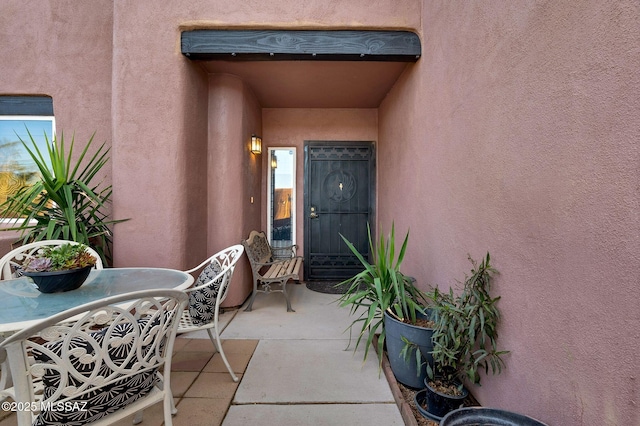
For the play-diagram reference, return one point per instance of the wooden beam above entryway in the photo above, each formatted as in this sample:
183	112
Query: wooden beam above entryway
286	45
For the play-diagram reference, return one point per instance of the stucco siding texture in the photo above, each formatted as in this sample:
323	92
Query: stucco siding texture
520	138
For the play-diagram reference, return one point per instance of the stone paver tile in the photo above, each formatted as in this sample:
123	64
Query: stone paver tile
213	385
200	345
153	416
238	361
190	361
181	381
179	343
240	346
9	419
200	411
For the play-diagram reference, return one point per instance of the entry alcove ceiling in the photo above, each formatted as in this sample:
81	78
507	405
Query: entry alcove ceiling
307	69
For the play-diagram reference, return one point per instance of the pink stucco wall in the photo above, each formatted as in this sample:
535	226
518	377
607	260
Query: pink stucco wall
40	50
233	173
519	136
42	43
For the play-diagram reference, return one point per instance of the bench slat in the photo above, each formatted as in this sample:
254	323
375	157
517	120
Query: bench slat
287	268
274	271
298	266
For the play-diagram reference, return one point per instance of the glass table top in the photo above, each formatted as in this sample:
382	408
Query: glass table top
21	303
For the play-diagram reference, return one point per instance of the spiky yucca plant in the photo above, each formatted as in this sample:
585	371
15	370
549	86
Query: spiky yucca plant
64	203
381	287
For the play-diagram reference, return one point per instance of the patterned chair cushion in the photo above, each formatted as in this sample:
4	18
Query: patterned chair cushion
17	271
91	406
202	302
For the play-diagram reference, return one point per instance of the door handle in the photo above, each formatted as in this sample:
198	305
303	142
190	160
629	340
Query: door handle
313	214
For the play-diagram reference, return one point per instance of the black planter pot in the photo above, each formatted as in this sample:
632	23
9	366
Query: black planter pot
487	416
406	372
58	281
437	404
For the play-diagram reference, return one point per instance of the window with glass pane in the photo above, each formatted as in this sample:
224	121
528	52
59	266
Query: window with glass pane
17	168
281	197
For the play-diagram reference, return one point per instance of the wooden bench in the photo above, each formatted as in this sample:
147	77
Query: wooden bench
271	269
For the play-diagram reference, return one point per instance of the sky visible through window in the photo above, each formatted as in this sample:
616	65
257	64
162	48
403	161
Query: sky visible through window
12	151
17	168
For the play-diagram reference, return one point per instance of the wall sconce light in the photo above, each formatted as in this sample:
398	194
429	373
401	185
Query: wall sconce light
256	144
274	161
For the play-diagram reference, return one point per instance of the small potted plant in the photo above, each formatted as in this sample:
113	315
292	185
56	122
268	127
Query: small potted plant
61	268
388	301
464	341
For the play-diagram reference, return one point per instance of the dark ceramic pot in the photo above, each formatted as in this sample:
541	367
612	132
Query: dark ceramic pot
406	372
437	404
487	416
57	281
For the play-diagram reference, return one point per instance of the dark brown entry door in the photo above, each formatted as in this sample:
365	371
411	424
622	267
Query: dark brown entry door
339	197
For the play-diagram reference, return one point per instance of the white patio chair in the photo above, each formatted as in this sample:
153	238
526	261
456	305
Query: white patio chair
207	293
11	263
10	266
99	362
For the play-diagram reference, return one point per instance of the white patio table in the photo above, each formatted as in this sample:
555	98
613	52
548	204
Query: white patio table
22	304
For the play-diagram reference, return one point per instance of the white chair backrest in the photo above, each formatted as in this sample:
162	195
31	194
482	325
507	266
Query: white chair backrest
86	355
211	287
16	257
223	264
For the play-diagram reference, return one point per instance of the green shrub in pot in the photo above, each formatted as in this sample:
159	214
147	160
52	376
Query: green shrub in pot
465	333
380	287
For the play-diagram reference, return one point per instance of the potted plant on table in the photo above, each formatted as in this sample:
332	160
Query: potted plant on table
388	301
61	268
464	341
63	204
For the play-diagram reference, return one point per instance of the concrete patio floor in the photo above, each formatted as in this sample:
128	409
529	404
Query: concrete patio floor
295	368
303	370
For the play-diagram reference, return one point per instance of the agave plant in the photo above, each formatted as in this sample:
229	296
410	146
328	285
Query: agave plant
64	203
381	287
